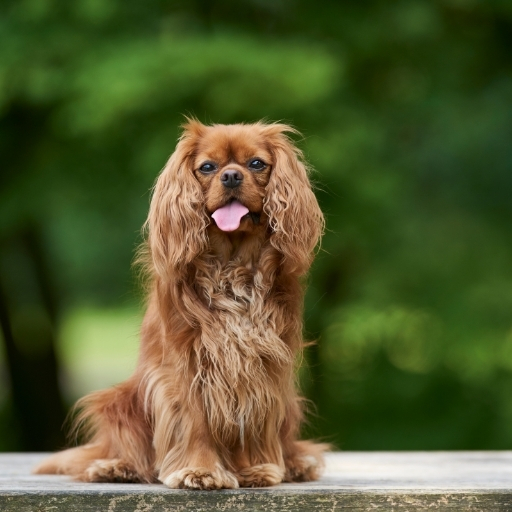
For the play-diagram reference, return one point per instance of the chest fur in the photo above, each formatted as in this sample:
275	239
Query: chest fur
242	362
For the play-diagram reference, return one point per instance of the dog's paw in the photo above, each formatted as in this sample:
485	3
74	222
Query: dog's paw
303	468
262	475
110	470
201	478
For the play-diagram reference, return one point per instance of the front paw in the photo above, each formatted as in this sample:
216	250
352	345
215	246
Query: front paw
261	475
201	478
304	468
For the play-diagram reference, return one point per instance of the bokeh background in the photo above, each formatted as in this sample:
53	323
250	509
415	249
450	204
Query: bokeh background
406	111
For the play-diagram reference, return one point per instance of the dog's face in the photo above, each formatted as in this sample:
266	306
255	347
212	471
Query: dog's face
241	178
233	164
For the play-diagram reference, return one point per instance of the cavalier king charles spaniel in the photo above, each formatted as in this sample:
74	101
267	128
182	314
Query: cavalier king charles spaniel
232	229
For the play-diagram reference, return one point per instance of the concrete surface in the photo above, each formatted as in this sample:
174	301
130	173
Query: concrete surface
352	481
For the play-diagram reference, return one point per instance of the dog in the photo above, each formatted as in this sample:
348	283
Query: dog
231	232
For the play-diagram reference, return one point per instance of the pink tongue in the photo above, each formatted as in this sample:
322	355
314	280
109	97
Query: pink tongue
228	217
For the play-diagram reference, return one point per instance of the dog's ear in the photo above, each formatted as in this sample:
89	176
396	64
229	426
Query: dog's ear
295	218
177	219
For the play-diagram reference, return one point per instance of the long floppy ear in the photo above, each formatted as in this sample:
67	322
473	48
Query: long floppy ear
295	218
177	220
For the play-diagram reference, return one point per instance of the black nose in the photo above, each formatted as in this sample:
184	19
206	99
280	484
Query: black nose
231	178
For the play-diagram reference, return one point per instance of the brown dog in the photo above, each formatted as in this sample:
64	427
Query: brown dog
212	404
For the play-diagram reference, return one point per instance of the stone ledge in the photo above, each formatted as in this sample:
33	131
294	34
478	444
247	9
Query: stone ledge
353	481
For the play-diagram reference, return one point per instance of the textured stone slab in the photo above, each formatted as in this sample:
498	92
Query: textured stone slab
352	481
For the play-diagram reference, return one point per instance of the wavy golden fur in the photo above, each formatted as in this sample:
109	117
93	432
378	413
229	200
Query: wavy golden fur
213	403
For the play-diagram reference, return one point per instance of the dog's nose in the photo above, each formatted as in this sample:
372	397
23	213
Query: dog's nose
231	178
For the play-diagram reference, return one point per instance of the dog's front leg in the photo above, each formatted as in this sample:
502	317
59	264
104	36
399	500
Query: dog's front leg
190	460
267	465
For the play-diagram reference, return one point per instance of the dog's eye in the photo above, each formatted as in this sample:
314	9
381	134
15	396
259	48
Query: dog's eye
257	165
207	168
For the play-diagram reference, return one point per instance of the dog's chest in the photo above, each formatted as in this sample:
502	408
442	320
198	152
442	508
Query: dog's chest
243	318
240	356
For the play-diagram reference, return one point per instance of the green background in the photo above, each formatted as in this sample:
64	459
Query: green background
406	112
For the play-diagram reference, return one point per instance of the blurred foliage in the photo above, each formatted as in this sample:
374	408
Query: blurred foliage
98	348
406	110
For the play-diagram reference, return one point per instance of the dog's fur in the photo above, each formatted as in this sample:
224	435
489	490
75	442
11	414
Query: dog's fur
212	403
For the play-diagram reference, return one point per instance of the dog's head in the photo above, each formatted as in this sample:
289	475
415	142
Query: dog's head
234	179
